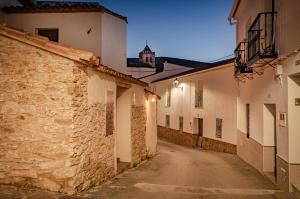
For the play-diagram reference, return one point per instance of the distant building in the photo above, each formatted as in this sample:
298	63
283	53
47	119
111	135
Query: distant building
84	25
149	68
267	69
198	107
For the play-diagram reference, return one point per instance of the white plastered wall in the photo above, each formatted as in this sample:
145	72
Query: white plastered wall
107	38
124	124
219	101
73	27
114	42
98	86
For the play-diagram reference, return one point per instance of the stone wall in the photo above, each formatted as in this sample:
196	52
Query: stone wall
50	137
36	118
216	145
93	153
138	133
177	137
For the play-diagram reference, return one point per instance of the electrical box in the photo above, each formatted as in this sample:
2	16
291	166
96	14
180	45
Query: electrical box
282	119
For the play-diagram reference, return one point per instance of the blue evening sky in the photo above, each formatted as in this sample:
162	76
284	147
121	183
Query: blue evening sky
188	29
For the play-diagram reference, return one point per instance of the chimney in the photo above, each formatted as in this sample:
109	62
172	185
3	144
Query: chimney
27	2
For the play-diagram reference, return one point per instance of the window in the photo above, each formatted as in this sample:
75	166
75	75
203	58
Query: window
248	120
180	123
168	97
109	113
198	94
151	60
219	128
52	34
147	59
168	121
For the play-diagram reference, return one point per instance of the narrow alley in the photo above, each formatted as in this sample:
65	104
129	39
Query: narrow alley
176	172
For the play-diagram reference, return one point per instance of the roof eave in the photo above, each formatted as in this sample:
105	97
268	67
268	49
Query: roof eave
233	11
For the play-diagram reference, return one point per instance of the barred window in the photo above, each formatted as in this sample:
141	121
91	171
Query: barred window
168	97
168	121
219	128
248	119
198	94
181	123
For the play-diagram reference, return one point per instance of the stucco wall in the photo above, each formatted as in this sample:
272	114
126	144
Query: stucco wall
151	125
219	95
73	27
107	38
124	100
114	42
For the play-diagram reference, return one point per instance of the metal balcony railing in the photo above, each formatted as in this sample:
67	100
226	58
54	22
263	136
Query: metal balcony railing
241	59
261	37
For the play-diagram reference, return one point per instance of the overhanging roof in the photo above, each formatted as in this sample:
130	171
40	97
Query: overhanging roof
234	10
60	7
196	70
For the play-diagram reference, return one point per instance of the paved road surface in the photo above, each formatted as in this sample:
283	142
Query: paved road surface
176	173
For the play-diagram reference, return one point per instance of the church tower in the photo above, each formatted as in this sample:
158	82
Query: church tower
147	56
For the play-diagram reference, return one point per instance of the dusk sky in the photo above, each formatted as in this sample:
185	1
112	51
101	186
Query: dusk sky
188	29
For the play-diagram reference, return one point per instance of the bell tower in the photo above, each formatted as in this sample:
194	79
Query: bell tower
147	56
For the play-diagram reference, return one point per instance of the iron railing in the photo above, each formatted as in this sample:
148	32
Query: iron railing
241	59
261	37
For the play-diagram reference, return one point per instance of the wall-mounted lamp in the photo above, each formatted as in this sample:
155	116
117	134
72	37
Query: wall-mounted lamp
153	99
176	83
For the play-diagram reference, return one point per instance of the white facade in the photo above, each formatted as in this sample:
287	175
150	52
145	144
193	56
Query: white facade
272	145
169	70
219	101
74	31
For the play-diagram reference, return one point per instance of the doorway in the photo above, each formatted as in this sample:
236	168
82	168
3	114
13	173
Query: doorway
123	128
198	131
270	141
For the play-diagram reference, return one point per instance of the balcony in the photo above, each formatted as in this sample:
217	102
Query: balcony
241	59
261	38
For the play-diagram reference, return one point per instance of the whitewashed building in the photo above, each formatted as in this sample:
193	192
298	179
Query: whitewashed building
84	25
268	75
147	67
198	107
